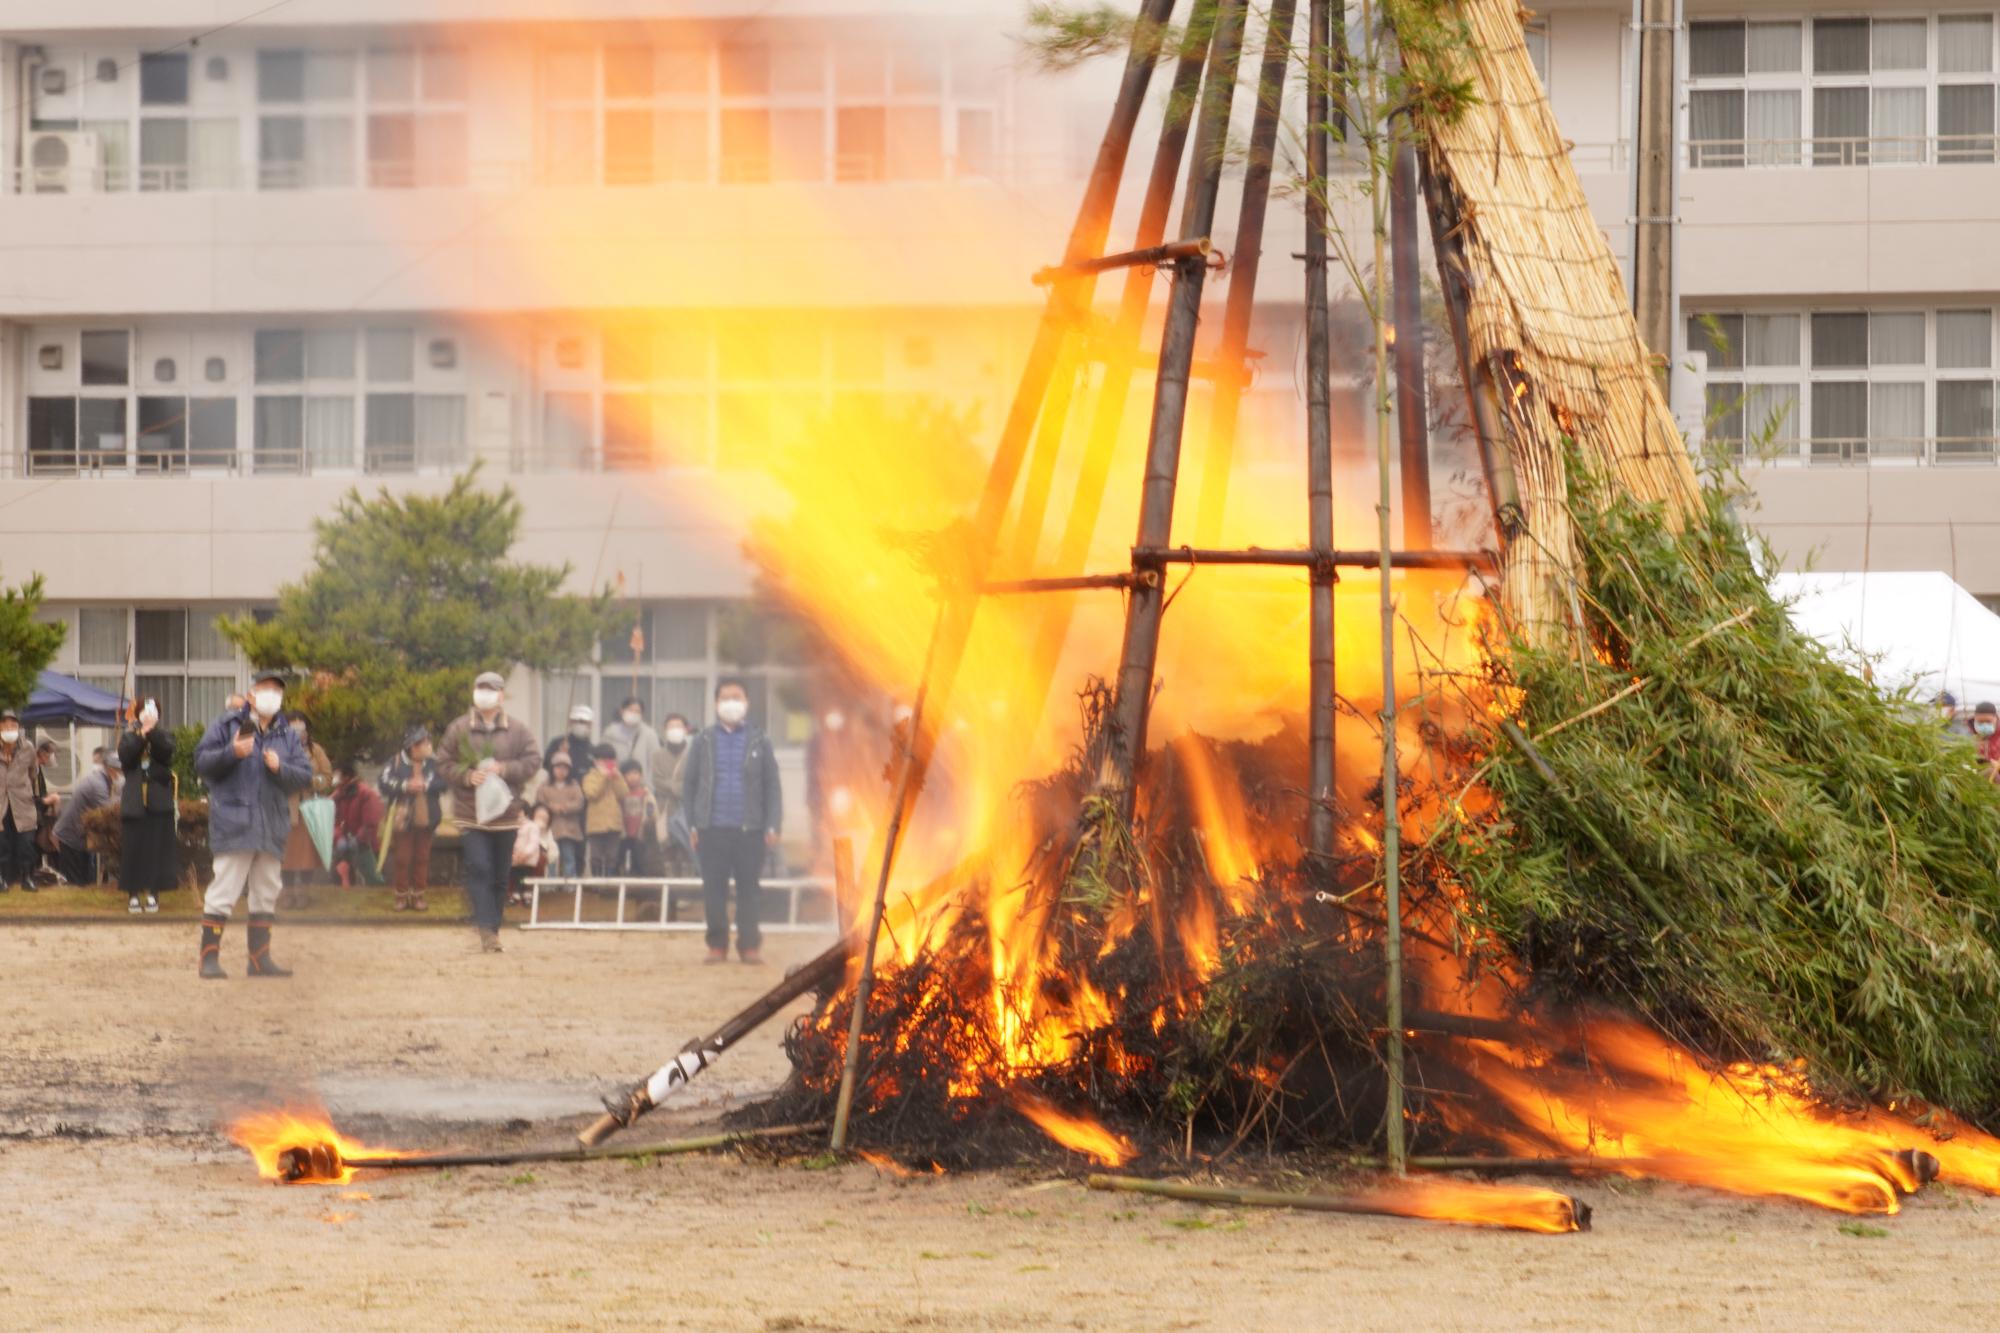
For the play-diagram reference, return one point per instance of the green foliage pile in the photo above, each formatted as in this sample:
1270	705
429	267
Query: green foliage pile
410	597
1755	848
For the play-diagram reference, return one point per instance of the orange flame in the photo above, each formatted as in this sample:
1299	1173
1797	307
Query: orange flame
1517	1207
1649	1108
267	1134
1077	1133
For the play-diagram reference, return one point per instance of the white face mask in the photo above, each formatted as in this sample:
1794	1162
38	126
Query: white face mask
835	720
633	717
732	711
677	734
9	735
485	700
268	702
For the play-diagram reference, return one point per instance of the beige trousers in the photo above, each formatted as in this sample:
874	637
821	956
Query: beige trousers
236	871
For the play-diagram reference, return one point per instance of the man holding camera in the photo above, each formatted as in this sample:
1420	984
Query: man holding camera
252	762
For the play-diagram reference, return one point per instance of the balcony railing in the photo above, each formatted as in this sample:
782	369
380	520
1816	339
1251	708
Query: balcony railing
1873	151
1932	450
376	460
401	175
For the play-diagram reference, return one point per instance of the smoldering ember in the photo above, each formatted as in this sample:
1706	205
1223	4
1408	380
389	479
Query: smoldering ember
1204	606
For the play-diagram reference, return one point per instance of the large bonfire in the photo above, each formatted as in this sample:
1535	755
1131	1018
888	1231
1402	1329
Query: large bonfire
1682	898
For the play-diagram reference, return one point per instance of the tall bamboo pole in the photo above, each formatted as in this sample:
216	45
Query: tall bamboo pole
1069	299
1115	384
1140	651
1233	358
1379	132
1412	411
1320	70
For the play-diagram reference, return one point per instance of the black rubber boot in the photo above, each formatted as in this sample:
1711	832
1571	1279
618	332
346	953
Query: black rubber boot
261	963
211	950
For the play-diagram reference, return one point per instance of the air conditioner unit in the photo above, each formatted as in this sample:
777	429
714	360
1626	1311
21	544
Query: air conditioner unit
62	162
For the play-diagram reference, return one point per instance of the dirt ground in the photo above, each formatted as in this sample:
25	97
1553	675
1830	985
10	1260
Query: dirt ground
121	1205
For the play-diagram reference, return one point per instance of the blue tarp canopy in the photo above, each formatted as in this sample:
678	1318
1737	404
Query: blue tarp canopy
59	698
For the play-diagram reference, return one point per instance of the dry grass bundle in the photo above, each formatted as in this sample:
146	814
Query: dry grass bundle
1547	307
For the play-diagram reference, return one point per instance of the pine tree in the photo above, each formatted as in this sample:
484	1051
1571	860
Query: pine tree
27	645
410	597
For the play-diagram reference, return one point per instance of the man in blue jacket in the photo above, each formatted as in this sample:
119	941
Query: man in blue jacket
735	809
252	763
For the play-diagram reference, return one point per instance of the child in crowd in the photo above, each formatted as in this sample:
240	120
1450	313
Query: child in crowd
638	850
603	810
534	850
564	799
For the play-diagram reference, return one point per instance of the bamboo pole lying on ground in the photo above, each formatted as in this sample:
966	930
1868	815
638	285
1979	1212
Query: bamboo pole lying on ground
1519	1208
321	1161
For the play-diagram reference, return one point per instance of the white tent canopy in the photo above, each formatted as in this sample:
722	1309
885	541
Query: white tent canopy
1903	628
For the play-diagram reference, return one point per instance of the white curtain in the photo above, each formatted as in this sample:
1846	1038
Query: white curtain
1773	408
1771	129
1715	126
212	147
1898	44
1964	339
1965	44
441	427
1895	419
330	432
1896	340
1771	340
1898	129
1774	48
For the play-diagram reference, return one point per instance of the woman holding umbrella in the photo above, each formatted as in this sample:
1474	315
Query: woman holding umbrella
303	852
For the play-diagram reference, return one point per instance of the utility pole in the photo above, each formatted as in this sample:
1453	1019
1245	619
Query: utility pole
1653	179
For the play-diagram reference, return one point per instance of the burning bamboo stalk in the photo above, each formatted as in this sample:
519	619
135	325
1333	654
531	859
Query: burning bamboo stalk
1320	710
1126	744
1235	352
1412	412
1068	299
1114	389
325	1162
1523	1209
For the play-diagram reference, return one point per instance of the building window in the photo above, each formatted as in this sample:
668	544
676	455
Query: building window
416	117
1853	386
1841	92
305	125
765	104
163	79
107	356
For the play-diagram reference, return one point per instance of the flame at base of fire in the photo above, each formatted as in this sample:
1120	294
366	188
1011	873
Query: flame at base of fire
1077	1133
300	1146
1516	1207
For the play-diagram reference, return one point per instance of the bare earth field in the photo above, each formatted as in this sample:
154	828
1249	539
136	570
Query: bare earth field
121	1206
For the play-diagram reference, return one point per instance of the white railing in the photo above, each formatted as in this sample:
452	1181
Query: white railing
1872	151
1948	451
810	904
583	173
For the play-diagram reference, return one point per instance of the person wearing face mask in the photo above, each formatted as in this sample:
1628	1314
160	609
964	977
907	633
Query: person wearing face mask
665	774
22	811
735	808
149	855
840	770
576	742
413	791
631	737
485	746
1986	732
253	764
